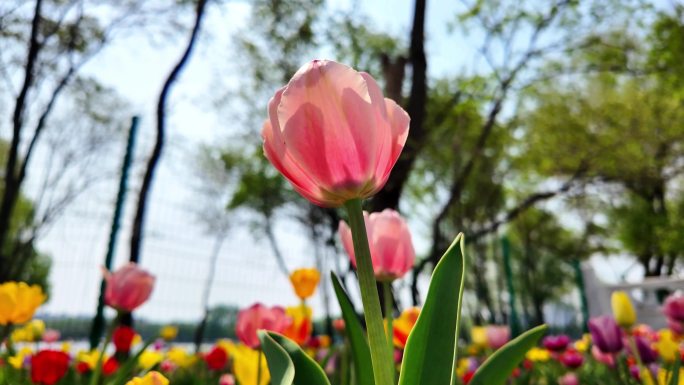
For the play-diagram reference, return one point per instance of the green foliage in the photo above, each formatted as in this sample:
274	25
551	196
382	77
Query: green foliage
543	249
430	353
291	364
279	362
363	367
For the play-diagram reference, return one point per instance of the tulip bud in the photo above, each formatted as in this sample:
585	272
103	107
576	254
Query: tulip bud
304	282
390	244
128	288
623	310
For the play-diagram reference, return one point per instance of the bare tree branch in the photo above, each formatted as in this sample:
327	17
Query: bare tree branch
136	236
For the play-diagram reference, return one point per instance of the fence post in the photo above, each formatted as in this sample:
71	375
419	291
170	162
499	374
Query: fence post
513	321
579	280
97	327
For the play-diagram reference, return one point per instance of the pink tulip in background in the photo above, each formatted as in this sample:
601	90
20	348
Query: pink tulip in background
674	308
390	244
128	288
257	317
51	335
332	134
497	336
568	379
227	379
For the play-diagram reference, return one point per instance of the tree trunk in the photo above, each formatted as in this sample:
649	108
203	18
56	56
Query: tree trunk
389	196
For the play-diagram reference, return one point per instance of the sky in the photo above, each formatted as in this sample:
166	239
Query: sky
176	248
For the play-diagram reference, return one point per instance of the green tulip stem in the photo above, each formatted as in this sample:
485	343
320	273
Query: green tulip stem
258	378
6	335
95	379
389	316
382	366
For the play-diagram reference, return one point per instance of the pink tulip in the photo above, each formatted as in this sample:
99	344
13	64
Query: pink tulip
332	134
676	326
568	379
257	317
128	288
604	358
390	244
51	335
497	336
674	307
227	379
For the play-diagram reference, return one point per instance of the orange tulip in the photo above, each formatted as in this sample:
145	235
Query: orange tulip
304	282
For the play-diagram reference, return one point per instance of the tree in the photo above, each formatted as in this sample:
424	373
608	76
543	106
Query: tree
44	46
544	250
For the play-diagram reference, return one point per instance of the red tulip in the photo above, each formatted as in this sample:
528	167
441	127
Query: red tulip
110	366
390	244
572	359
216	359
338	324
332	134
49	366
258	317
82	367
128	288
123	338
556	343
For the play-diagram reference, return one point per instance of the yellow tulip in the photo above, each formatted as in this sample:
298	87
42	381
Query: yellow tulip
89	358
180	357
667	345
168	333
66	347
149	358
151	378
665	376
582	345
244	368
462	366
17	361
623	310
304	282
18	302
538	355
479	336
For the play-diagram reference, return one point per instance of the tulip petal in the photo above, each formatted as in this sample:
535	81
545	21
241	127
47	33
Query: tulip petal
324	116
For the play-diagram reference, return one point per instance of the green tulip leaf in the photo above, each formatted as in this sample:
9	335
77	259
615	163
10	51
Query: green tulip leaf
306	370
674	380
357	338
497	369
430	352
280	364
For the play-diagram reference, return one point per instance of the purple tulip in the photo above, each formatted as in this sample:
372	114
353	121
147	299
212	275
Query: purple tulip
556	343
606	334
647	354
